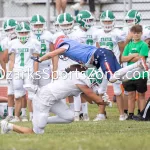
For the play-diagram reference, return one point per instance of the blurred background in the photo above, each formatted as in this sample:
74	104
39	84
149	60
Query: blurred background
23	9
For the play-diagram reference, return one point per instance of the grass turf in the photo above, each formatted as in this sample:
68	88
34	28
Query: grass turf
111	134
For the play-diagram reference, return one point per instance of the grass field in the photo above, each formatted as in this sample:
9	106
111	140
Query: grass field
111	134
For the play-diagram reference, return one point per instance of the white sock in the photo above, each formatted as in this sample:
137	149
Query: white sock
23	110
121	72
101	116
10	111
71	106
31	115
76	113
84	108
10	126
77	103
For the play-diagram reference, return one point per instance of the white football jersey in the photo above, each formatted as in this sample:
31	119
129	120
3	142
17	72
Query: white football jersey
87	37
45	39
62	88
78	35
110	40
5	43
23	52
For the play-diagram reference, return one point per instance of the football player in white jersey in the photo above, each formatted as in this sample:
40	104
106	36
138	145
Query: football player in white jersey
48	99
66	24
79	35
39	32
83	34
23	68
9	30
112	39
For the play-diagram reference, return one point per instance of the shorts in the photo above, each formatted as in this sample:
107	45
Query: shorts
139	85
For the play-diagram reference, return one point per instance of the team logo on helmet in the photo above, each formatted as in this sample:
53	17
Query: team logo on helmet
85	19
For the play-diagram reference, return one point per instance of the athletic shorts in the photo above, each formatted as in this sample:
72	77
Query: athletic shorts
139	85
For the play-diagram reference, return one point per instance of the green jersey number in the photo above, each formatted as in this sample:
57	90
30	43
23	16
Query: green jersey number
89	42
108	45
43	49
22	59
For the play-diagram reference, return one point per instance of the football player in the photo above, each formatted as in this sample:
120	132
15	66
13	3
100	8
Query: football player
9	30
20	50
85	54
112	39
39	32
48	99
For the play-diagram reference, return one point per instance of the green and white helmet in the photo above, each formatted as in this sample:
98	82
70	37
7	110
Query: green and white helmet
132	17
85	19
94	76
66	22
9	28
38	20
107	16
23	27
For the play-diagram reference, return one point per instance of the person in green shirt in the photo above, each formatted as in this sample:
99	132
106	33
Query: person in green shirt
133	51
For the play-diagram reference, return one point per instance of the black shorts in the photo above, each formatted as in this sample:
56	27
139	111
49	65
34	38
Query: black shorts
139	85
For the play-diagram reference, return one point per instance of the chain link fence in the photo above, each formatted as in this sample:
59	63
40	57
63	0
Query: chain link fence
22	10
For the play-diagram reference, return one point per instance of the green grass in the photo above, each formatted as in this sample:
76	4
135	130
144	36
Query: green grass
111	134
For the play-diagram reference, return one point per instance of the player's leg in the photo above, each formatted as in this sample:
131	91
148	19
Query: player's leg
6	127
103	89
10	93
63	114
140	64
23	109
125	103
84	107
3	99
119	99
77	107
71	102
19	93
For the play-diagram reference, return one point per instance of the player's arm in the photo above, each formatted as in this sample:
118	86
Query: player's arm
90	96
2	63
143	53
52	54
129	58
36	64
11	61
5	56
54	59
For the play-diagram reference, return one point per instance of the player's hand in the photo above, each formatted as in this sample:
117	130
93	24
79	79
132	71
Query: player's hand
36	58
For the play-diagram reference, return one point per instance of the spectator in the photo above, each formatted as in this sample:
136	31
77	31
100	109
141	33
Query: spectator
61	6
133	51
78	6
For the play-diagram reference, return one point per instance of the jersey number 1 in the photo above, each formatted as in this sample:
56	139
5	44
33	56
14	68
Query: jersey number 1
22	59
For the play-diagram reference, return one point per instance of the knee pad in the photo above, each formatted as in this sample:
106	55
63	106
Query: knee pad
117	88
